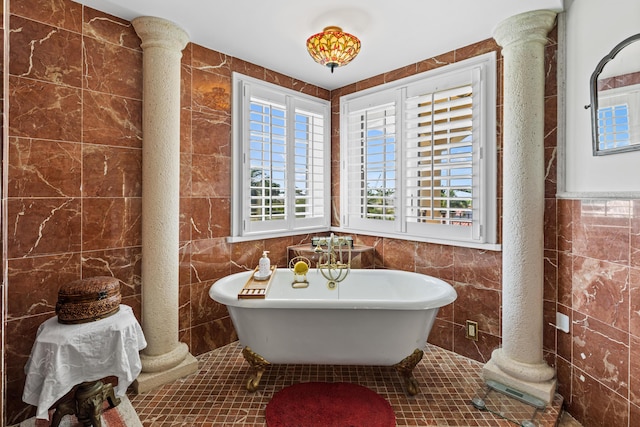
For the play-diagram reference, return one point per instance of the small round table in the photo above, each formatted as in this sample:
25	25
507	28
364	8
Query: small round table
64	356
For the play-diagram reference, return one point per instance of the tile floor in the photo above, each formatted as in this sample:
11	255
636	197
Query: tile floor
216	394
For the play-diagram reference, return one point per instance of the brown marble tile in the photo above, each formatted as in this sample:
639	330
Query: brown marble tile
247	68
635	235
211	92
564	339
476	49
278	79
634	302
550	292
184	308
594	404
43	226
44	110
203	308
111	171
551	69
634	370
212	335
35	282
435	260
565	224
210	259
602	352
370	82
40	168
108	28
186	141
551	174
400	254
111	223
211	134
65	14
442	334
563	378
246	255
210	217
400	73
185	219
211	61
601	230
124	264
550	224
435	62
479	305
185	176
478	267
184	269
103	67
601	290
111	120
43	52
565	279
210	176
550	333
477	350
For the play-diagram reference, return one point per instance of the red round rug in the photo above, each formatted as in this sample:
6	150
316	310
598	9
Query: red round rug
317	404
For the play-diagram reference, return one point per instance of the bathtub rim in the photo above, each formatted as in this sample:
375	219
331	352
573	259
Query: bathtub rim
226	293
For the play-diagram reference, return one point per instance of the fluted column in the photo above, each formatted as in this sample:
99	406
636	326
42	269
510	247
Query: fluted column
165	359
519	363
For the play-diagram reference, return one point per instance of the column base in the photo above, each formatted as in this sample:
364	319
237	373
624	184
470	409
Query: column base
147	381
544	390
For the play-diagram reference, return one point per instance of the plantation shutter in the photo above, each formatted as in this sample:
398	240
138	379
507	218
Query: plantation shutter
267	160
372	164
285	161
442	157
310	165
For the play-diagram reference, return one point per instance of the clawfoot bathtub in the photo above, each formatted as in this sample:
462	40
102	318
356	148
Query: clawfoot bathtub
373	317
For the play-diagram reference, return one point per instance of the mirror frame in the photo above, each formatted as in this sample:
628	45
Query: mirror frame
594	99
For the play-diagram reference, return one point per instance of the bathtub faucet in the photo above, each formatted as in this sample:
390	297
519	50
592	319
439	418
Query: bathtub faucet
331	262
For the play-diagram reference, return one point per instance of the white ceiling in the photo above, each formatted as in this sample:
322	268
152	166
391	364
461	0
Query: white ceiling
273	33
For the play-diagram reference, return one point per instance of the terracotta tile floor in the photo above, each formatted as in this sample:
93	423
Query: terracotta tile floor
216	394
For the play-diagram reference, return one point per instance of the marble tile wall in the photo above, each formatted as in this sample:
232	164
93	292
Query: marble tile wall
73	210
74	174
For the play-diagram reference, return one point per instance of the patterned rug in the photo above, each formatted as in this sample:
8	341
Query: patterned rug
122	415
320	404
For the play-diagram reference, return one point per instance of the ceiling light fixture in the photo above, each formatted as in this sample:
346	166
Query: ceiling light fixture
333	47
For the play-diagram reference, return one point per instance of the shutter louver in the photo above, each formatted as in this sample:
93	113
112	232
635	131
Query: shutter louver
309	159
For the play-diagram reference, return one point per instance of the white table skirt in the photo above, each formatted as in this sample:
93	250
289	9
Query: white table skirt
66	355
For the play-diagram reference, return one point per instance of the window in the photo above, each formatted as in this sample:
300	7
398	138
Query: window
613	127
418	156
281	161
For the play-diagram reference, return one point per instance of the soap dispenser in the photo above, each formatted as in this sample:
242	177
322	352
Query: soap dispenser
264	266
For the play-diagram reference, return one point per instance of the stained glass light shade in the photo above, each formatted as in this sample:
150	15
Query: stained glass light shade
333	47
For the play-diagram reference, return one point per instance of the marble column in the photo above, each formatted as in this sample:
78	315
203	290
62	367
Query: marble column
166	358
519	363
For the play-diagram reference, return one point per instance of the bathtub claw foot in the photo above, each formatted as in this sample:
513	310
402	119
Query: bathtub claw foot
257	362
405	368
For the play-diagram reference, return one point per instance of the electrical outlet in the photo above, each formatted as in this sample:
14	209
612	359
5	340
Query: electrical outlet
471	330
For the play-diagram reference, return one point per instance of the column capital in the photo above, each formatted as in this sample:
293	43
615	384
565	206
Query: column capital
158	32
526	27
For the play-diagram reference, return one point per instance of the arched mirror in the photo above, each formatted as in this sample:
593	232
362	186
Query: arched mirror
615	100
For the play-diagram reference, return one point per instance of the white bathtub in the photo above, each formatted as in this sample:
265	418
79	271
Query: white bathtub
373	317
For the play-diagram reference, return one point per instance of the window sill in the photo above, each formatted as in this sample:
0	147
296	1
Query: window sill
472	245
276	234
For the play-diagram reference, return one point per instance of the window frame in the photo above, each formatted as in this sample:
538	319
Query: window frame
485	216
242	228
